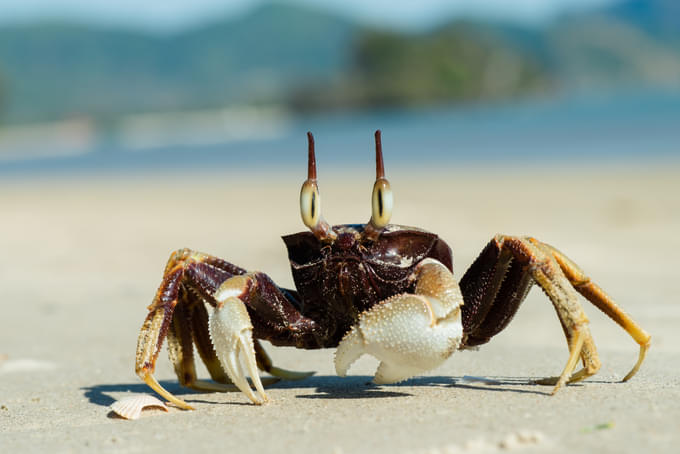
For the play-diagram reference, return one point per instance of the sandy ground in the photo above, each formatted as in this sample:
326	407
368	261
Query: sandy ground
82	259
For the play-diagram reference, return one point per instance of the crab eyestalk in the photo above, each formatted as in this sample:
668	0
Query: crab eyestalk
310	200
382	200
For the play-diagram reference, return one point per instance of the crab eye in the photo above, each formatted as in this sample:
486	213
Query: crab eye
382	202
310	204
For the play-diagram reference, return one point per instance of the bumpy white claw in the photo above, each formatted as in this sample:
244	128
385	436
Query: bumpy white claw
349	350
231	333
409	334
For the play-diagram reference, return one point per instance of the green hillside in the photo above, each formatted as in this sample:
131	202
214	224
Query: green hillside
456	62
53	70
310	59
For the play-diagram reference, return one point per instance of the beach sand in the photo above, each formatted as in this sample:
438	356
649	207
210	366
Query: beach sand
82	258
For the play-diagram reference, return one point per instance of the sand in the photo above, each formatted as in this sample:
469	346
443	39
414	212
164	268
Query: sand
83	256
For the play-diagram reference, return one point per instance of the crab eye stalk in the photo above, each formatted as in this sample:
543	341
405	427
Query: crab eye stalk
310	200
310	204
382	200
382	203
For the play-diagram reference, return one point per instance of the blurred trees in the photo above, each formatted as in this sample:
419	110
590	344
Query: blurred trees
453	63
60	69
304	58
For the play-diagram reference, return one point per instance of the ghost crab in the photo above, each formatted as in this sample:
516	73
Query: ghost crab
381	289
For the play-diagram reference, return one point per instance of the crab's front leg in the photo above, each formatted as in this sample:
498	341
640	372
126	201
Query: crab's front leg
178	312
409	333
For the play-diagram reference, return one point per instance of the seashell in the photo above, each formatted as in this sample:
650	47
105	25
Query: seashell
131	407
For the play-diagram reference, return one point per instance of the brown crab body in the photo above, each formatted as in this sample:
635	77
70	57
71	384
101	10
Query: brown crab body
339	280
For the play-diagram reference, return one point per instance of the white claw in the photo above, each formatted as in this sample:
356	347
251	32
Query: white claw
394	373
409	334
231	333
350	349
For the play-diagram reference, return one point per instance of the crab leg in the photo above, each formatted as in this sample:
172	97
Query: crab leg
178	312
201	335
593	293
408	333
573	320
498	281
154	330
264	362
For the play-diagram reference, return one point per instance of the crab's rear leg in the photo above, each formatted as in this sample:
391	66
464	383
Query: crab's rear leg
498	281
600	299
264	363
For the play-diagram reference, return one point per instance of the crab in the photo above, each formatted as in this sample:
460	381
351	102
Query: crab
379	289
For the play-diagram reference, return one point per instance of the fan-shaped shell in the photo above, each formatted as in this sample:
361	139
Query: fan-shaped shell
131	407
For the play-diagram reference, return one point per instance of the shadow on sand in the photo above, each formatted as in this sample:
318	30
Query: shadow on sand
333	387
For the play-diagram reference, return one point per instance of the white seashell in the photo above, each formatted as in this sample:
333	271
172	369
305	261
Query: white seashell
131	407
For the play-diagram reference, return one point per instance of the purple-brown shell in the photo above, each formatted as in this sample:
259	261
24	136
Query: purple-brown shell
338	280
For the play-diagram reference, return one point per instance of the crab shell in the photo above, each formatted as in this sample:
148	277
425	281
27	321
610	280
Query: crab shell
339	279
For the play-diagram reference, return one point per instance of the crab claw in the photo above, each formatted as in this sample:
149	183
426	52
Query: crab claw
231	333
409	334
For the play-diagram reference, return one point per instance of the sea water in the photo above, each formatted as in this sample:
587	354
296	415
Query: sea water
576	129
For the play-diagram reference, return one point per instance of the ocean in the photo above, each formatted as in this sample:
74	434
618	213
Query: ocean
577	130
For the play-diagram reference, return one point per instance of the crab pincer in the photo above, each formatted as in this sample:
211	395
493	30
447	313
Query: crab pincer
231	333
409	333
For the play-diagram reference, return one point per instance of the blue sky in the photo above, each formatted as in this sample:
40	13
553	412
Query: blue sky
176	14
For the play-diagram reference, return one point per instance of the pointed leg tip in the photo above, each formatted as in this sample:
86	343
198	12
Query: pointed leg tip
182	407
289	374
630	374
179	403
557	387
151	381
641	358
267	381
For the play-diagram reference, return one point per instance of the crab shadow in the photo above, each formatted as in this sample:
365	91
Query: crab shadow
357	387
101	394
328	387
333	387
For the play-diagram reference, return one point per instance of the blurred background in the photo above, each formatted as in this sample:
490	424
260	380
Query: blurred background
100	86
